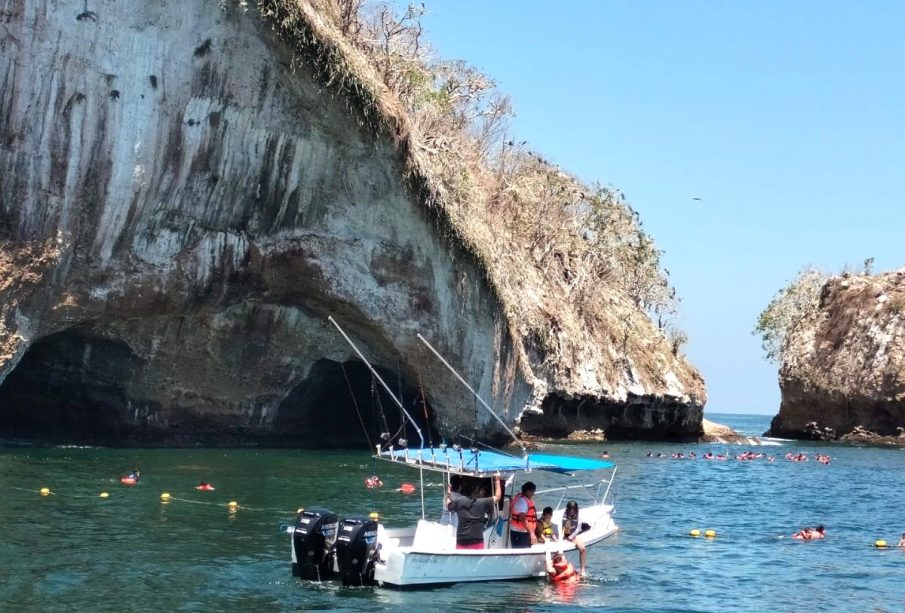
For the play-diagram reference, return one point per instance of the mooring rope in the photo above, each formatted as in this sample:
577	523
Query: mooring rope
355	404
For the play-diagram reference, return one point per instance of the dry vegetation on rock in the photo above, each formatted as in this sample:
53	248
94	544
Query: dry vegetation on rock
566	259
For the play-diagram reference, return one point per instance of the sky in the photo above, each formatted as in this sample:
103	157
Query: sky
787	120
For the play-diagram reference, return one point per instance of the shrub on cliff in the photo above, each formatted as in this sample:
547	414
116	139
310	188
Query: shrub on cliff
790	305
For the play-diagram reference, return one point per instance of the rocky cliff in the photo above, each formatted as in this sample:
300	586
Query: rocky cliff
186	193
843	366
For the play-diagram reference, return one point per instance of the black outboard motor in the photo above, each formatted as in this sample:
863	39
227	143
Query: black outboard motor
356	550
312	544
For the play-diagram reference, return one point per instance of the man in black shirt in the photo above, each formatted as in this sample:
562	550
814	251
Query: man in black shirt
472	513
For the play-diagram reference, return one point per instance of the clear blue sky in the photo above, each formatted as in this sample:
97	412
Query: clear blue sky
786	118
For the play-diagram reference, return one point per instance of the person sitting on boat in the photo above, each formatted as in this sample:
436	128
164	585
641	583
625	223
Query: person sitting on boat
523	518
902	540
809	534
571	527
135	475
546	530
472	514
559	569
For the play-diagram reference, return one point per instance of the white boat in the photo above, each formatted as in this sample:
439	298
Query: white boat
366	552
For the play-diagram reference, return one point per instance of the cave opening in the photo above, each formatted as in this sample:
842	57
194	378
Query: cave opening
69	387
73	387
342	405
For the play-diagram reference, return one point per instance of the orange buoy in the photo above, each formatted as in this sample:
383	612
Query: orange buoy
205	487
407	488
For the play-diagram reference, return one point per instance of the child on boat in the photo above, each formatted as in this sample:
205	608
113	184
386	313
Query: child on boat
546	529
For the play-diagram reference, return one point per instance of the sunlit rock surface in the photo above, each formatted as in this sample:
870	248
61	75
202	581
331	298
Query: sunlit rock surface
181	208
845	371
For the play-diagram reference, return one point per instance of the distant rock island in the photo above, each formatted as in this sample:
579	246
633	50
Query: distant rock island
190	188
842	368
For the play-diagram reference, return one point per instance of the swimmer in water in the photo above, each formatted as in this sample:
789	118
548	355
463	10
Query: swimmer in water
560	570
810	534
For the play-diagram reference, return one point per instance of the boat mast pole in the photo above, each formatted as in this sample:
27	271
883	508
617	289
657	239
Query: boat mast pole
470	389
374	372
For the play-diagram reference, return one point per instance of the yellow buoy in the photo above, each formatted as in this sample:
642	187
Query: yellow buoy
104	495
695	533
232	504
45	491
880	544
165	496
710	534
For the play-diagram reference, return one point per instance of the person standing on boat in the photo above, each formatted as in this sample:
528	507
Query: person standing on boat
523	518
453	493
472	515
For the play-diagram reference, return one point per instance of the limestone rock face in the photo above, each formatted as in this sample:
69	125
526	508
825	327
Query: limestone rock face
845	369
182	205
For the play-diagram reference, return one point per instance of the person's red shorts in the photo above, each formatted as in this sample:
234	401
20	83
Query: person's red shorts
472	546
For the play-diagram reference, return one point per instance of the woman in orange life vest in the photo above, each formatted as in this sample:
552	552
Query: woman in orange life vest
523	518
560	570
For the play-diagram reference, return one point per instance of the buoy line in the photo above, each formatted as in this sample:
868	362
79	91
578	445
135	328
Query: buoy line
165	498
233	506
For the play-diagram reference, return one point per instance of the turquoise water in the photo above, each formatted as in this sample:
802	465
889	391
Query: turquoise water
75	551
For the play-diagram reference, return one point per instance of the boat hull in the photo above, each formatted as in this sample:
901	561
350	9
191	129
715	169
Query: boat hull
409	566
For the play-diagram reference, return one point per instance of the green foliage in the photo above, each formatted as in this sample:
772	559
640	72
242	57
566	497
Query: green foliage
790	305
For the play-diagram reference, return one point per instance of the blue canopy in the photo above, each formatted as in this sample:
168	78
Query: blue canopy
487	462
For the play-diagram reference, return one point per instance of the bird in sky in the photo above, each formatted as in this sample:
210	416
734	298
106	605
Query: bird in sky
698	198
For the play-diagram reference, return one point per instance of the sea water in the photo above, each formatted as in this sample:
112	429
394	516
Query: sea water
72	550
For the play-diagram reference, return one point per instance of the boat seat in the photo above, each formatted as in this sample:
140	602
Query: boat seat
431	536
383	538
